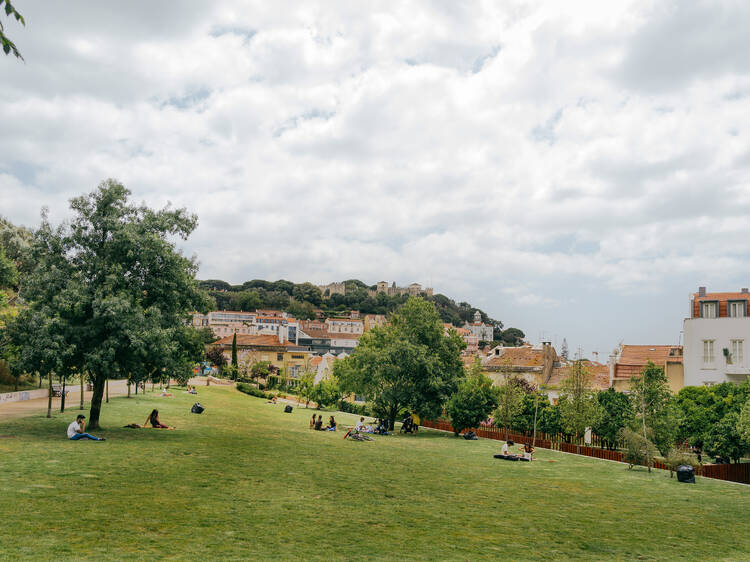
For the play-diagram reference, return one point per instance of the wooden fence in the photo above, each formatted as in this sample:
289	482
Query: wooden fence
732	472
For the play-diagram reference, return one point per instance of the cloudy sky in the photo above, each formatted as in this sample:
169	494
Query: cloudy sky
576	169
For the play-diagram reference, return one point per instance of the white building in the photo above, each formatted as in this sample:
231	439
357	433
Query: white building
714	338
483	332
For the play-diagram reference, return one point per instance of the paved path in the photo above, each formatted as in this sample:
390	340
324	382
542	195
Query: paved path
11	410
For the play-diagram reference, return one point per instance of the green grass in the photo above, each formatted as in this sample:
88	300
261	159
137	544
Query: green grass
245	480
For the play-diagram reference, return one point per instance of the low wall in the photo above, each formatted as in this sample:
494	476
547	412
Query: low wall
23	395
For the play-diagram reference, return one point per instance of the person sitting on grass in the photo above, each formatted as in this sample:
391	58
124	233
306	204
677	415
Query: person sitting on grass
272	400
506	452
331	424
312	422
191	390
77	430
360	424
319	423
165	393
527	450
153	419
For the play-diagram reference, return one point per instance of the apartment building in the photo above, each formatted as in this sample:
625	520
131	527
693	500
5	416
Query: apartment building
714	335
259	323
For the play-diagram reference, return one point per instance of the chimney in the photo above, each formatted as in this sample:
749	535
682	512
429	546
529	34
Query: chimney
743	290
701	291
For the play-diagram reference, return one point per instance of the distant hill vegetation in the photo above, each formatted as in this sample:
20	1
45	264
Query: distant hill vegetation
301	299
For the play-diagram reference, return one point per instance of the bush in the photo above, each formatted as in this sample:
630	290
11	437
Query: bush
676	458
638	449
351	408
252	391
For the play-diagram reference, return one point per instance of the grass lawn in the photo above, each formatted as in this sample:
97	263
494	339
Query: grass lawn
245	480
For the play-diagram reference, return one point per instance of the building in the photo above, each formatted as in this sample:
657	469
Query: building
258	323
472	342
332	289
345	326
714	338
628	361
414	290
598	371
374	320
290	359
483	332
531	363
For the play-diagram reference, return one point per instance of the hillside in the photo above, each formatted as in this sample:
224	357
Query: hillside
302	299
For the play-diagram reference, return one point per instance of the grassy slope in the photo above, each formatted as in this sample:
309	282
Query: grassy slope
246	480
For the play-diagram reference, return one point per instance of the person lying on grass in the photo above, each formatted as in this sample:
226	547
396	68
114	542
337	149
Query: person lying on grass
165	393
77	430
153	419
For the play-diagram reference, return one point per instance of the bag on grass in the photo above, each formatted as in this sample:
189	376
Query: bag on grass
288	409
471	436
197	408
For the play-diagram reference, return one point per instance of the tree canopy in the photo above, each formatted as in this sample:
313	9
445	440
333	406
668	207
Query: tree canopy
113	288
473	401
409	364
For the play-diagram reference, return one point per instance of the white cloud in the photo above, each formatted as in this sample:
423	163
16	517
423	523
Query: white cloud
534	159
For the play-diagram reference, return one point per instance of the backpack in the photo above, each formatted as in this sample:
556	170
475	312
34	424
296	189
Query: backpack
471	436
197	408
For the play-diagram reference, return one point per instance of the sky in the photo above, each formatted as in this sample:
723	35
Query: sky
575	169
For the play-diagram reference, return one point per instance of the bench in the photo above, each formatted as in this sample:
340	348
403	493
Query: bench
57	390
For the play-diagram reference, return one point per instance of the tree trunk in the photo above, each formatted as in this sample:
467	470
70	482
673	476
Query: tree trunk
107	390
62	396
536	409
16	382
96	400
81	408
643	418
49	400
41	378
128	388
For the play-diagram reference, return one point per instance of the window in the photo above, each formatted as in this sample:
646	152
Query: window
709	309
737	309
708	352
279	357
736	351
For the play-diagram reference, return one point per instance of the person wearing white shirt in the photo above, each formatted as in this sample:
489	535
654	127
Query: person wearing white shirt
77	430
360	424
505	450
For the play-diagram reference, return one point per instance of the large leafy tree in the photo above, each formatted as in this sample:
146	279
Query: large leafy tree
114	281
616	413
409	364
656	414
578	404
473	401
510	399
724	439
743	424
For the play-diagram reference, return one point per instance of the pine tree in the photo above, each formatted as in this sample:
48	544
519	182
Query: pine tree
564	349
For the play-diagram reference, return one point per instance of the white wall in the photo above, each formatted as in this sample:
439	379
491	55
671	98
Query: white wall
722	331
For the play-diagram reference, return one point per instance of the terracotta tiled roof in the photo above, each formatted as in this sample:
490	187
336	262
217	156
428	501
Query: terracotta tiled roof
598	370
355	320
722	296
315	361
246	340
315	333
634	357
336	336
519	357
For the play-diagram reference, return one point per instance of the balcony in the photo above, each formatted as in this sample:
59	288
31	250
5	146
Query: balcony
739	371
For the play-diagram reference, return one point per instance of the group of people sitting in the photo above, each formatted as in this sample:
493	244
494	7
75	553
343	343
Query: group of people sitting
317	423
77	429
526	452
379	428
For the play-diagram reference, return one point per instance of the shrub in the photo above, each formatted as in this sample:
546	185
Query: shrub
252	391
638	449
352	408
676	458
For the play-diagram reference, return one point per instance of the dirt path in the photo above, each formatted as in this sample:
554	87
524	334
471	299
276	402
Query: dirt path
38	406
